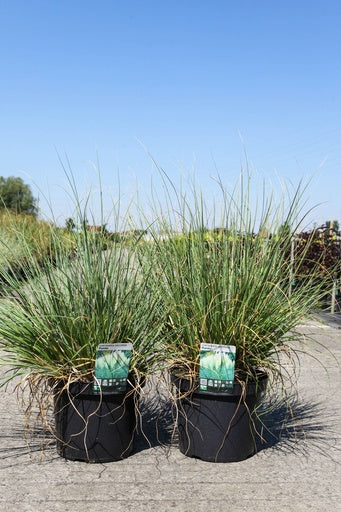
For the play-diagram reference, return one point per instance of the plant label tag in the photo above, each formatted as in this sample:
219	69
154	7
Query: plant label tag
216	367
112	367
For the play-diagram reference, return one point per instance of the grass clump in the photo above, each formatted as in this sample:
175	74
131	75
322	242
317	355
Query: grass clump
52	323
223	275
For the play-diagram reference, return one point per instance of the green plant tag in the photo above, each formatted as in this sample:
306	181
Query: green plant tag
112	367
216	367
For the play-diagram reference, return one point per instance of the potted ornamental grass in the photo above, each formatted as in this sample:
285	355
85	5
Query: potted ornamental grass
223	273
52	323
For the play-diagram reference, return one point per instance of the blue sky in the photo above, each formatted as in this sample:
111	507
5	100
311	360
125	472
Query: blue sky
198	83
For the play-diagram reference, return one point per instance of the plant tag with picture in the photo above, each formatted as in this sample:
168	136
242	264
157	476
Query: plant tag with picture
216	367
112	367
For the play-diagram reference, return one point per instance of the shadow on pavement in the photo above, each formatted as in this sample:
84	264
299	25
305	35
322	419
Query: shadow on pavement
155	425
20	442
298	426
330	319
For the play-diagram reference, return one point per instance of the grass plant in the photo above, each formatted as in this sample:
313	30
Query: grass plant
52	323
223	276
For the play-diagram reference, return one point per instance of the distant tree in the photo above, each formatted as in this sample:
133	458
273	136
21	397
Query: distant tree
15	195
70	224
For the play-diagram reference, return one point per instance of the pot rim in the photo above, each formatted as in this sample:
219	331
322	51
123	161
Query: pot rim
83	389
186	386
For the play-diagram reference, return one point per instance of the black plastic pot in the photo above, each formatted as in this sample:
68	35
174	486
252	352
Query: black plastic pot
218	427
92	427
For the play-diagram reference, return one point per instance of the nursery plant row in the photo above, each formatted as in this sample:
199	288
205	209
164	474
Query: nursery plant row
200	288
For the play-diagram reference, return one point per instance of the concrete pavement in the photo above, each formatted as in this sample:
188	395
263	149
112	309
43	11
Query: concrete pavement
299	469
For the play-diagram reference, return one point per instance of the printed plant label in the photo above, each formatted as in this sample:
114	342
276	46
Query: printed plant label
112	367
216	367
